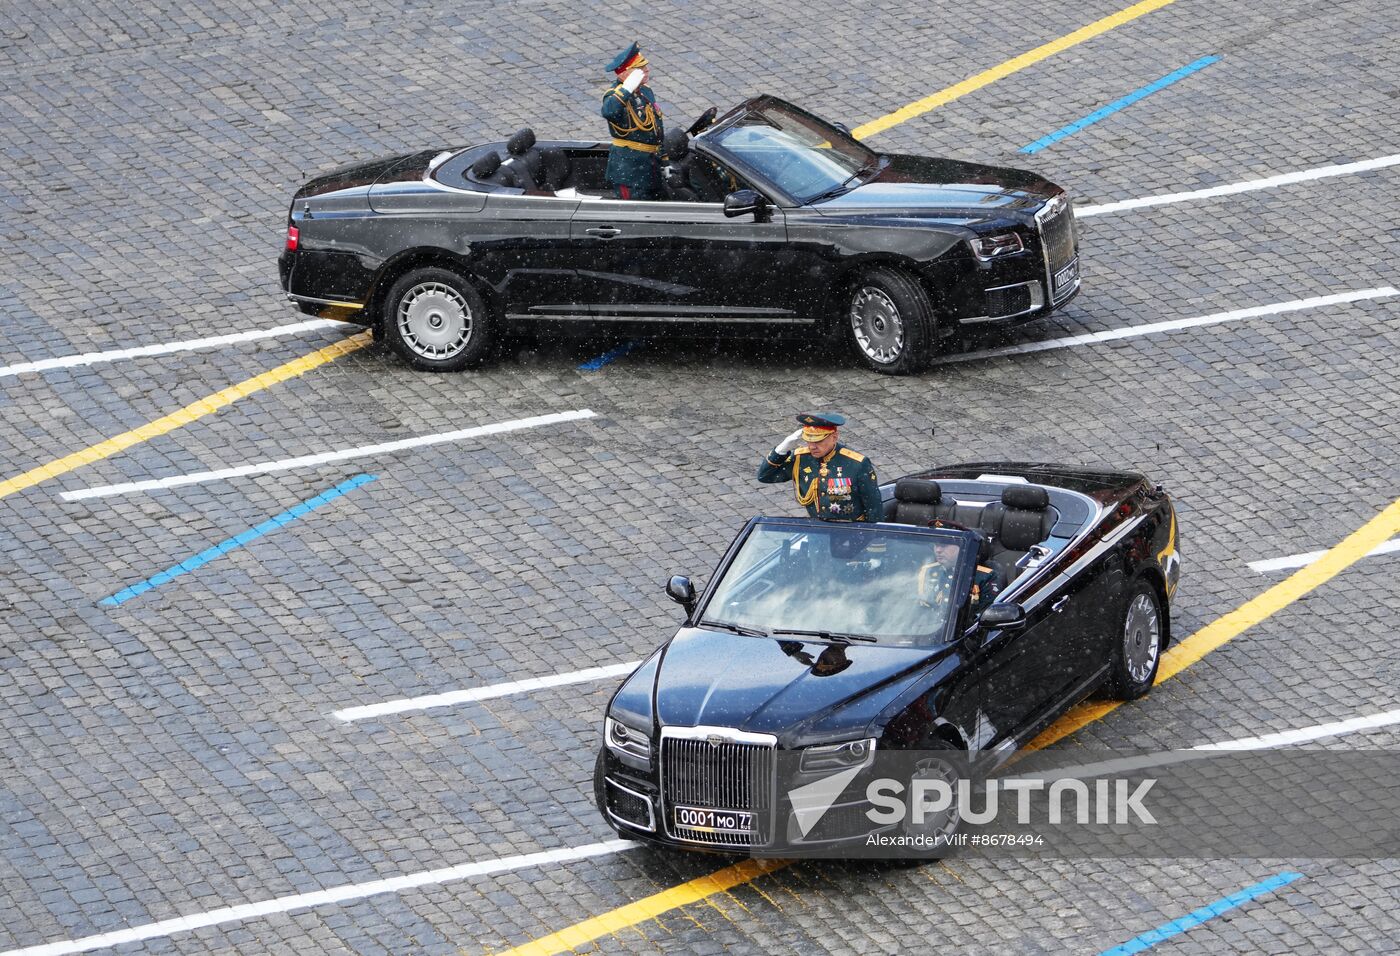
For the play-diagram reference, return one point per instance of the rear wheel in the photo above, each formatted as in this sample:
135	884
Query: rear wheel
1138	650
436	321
891	322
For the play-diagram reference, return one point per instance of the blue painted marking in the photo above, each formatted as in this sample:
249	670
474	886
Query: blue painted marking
593	364
1167	930
1117	105
237	541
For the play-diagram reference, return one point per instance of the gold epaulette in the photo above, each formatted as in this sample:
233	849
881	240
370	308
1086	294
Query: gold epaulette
853	454
984	568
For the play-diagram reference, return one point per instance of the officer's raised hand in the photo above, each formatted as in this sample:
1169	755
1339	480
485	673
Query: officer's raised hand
786	446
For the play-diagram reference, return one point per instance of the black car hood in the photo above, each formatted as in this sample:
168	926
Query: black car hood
766	685
944	186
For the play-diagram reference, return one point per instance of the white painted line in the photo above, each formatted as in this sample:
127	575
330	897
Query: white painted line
1286	179
1132	331
1303	735
189	345
340	894
430	701
1303	560
311	461
1267	742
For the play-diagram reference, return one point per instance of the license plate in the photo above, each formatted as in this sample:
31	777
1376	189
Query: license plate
714	821
1067	276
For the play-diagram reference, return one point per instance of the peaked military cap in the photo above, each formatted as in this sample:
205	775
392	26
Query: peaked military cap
821	419
629	59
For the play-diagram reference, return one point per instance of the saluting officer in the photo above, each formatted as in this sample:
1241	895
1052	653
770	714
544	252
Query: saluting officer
829	479
634	120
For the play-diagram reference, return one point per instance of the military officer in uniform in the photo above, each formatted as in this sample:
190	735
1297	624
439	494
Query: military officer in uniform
830	480
936	577
634	122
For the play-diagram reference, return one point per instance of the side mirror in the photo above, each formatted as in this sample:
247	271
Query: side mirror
682	592
742	202
843	128
1002	617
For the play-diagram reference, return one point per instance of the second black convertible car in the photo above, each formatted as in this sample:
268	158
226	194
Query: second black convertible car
776	223
817	645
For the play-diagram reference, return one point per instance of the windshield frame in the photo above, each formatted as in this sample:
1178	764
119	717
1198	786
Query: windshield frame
953	623
708	141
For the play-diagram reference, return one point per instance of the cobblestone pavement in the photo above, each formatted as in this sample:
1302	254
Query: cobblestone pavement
175	754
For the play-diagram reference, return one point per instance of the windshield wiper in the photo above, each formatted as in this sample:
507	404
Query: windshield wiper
736	628
841	187
828	636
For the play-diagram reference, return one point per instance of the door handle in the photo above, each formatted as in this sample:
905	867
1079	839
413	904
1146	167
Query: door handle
1059	605
603	232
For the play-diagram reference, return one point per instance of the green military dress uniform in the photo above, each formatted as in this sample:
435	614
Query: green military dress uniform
839	487
936	586
634	122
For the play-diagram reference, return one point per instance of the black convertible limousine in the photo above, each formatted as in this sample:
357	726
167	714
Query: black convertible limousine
816	646
775	224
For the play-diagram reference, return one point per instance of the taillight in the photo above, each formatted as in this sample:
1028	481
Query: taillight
292	235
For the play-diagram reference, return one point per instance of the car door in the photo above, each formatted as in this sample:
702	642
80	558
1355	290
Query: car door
523	247
684	261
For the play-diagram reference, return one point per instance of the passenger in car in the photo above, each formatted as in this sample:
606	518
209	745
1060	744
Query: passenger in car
634	121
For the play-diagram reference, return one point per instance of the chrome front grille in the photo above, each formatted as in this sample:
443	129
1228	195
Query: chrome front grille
1056	224
710	771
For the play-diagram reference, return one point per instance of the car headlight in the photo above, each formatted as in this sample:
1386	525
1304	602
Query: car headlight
852	753
628	744
987	248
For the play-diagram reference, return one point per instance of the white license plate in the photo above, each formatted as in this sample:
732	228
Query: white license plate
1067	276
714	821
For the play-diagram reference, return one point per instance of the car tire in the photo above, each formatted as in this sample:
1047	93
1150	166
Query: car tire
1137	649
436	321
891	322
948	824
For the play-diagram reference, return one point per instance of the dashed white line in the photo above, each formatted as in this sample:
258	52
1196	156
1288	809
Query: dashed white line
166	348
339	894
1303	560
1271	182
1132	331
430	701
311	461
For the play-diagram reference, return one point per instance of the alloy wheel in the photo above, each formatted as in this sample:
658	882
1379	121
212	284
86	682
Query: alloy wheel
877	325
1142	637
434	320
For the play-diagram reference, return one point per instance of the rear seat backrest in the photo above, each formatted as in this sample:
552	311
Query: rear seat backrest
526	154
1026	519
916	501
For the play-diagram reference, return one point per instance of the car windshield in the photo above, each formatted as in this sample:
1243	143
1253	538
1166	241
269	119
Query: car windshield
843	582
799	154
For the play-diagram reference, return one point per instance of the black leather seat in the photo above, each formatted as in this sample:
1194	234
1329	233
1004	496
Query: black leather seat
1021	519
489	169
556	173
916	501
526	159
676	165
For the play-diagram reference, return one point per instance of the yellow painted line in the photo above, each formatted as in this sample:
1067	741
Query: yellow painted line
581	934
1181	656
191	412
1347	552
1003	70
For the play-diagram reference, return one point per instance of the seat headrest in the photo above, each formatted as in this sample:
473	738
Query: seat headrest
520	142
676	145
918	490
1026	497
486	165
